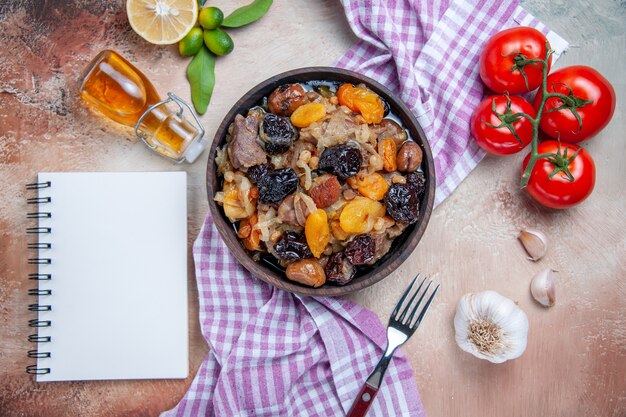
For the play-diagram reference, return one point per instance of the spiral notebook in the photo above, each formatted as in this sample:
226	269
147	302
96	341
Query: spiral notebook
111	254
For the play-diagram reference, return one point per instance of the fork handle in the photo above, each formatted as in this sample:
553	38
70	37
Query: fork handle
369	390
363	401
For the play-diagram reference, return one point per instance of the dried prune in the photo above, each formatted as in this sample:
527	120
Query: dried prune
291	246
343	161
276	185
361	250
256	172
339	270
417	181
402	203
277	133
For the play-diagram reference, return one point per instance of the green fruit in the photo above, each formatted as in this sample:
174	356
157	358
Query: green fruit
218	42
191	43
210	18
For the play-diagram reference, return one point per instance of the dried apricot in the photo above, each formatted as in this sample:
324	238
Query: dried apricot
307	272
373	186
363	101
360	215
317	232
307	114
353	181
387	149
344	95
337	231
250	236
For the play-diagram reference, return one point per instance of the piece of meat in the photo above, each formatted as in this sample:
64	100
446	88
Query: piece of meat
303	206
325	191
243	149
382	244
286	211
389	128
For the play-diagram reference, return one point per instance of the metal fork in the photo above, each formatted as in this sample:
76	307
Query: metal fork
399	329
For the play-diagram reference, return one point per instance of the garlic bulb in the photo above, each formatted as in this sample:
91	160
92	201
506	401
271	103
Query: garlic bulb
490	326
535	243
543	289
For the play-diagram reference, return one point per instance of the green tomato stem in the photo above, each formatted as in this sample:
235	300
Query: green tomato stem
534	121
571	102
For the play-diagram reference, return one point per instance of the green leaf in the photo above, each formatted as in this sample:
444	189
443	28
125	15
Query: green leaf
201	76
247	14
201	2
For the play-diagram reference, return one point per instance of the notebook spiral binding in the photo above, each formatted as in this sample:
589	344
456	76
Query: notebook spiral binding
36	292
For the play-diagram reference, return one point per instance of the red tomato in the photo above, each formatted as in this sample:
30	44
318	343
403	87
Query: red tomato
559	192
586	84
501	141
498	68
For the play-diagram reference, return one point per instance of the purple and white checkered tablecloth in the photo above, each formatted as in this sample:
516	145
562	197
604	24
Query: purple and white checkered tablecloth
274	353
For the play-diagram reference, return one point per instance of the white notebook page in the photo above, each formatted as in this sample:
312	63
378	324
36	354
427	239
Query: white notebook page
119	276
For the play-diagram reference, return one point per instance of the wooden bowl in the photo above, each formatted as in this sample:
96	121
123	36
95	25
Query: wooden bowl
403	245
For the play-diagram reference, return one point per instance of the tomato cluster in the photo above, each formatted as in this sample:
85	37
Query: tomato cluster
571	105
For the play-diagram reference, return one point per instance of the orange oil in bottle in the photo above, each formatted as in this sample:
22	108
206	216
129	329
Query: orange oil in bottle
122	93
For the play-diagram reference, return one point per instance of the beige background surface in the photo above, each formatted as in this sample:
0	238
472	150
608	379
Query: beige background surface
576	357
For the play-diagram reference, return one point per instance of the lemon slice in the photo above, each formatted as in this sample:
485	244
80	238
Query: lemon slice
162	22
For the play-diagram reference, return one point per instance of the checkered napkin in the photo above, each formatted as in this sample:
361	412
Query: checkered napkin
274	353
277	354
426	51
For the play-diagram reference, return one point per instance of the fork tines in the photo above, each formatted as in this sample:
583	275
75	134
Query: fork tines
413	305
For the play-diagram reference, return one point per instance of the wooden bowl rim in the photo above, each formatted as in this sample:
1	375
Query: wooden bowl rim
396	258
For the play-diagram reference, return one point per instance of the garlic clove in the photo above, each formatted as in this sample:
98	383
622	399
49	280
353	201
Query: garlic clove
535	243
542	287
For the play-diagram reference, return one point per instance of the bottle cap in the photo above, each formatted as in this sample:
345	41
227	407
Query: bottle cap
195	148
